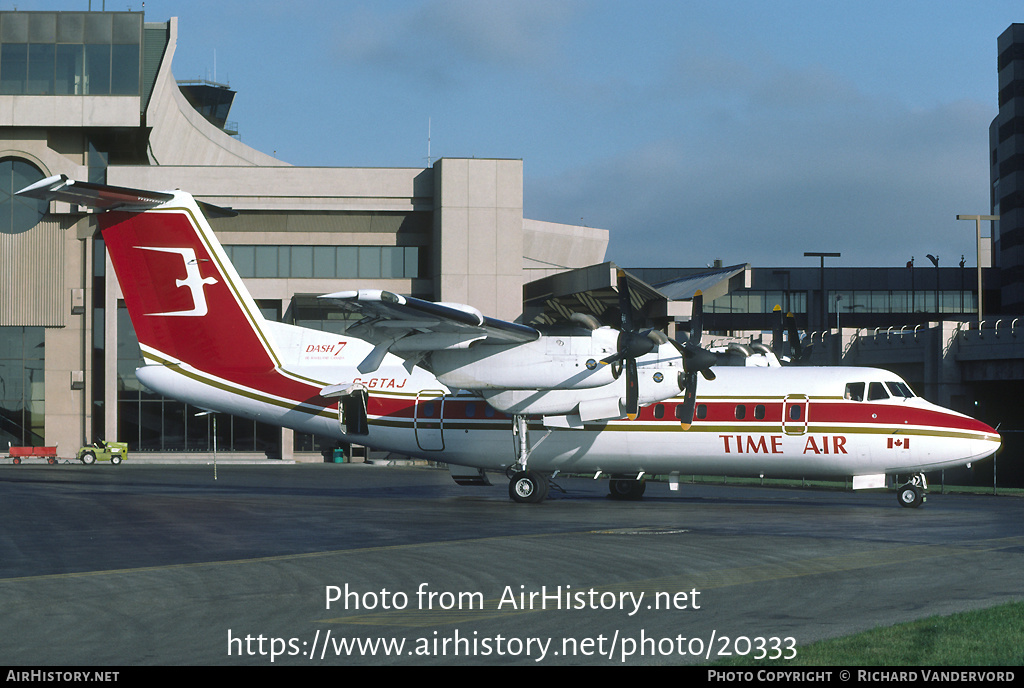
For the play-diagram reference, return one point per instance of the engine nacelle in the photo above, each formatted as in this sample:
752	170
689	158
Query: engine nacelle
601	403
550	363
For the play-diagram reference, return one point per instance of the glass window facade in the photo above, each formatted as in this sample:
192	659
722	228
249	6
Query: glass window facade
71	53
150	422
17	213
754	301
859	301
903	301
326	262
21	386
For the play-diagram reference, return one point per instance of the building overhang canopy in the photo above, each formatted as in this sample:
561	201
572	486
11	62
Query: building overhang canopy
593	293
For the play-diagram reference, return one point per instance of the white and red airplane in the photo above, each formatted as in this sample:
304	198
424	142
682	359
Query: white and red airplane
443	382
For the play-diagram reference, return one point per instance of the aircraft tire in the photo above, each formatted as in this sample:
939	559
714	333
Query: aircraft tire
88	458
626	489
528	487
910	496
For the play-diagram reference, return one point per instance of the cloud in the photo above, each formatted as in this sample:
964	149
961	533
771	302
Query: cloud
772	162
442	38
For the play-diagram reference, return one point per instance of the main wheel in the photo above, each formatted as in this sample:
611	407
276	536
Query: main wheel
528	487
88	458
626	489
910	496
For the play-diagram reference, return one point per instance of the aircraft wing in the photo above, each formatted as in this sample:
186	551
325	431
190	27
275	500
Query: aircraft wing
410	328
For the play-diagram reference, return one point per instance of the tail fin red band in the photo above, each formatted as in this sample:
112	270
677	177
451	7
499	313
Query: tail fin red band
183	296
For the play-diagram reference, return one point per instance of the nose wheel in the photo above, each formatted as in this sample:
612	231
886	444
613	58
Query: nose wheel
913	493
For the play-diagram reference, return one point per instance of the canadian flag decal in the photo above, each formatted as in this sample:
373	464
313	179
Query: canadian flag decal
899	443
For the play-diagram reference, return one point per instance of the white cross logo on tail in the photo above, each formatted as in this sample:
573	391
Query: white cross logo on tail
193	280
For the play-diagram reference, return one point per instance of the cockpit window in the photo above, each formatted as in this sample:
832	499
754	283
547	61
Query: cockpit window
854	391
876	392
900	389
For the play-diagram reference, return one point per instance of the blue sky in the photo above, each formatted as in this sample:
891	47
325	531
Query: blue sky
699	130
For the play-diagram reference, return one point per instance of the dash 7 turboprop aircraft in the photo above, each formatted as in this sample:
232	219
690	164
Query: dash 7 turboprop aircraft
443	382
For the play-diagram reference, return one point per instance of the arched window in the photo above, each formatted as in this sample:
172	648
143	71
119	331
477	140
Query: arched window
19	214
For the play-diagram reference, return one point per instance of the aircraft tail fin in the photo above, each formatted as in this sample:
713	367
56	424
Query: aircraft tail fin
186	300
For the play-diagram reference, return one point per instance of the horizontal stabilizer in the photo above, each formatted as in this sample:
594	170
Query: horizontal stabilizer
102	196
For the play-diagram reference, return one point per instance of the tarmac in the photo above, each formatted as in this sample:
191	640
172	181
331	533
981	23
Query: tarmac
354	564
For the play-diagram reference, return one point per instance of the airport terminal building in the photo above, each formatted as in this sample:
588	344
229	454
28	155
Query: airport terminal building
92	95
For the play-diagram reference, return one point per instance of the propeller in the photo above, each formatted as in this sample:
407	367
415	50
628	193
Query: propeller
796	347
695	360
633	343
786	322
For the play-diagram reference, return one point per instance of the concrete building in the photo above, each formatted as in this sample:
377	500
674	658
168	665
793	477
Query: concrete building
92	95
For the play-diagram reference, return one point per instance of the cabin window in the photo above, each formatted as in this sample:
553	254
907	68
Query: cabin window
876	392
795	411
470	410
854	391
702	411
659	411
759	412
741	411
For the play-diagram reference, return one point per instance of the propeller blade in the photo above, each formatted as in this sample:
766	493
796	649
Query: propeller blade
777	329
684	412
632	390
697	317
794	337
625	303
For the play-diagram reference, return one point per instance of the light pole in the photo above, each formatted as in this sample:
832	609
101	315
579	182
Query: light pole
977	223
213	415
824	300
935	261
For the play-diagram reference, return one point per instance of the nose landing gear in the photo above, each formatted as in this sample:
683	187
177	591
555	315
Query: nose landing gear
913	493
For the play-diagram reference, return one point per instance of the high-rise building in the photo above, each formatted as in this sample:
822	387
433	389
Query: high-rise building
1006	143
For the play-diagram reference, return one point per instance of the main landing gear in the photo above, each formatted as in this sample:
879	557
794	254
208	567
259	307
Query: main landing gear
528	487
626	488
914	493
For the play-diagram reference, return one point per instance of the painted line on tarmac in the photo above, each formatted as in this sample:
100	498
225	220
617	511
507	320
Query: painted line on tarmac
721	578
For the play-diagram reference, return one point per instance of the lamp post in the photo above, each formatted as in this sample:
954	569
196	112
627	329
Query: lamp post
935	261
977	223
824	301
213	415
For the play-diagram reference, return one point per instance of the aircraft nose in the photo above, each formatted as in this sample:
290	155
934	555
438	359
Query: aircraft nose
989	443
